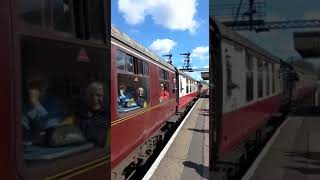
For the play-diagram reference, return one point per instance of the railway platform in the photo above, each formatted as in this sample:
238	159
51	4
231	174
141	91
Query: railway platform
186	156
294	150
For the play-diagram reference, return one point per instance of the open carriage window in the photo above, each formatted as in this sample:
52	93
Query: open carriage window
163	86
174	85
64	104
133	83
133	92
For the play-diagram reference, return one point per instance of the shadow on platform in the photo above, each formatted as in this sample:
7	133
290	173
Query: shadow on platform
199	168
306	155
204	112
199	130
306	111
305	171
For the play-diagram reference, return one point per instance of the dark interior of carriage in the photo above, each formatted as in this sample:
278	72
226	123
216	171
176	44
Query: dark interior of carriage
58	75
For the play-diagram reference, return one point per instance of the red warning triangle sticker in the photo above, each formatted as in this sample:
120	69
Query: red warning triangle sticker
82	56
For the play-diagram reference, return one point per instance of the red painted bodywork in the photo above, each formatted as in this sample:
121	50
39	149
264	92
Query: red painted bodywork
132	132
185	100
12	164
7	151
239	124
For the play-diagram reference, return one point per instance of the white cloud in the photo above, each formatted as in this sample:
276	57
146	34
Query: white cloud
162	46
174	15
201	52
207	66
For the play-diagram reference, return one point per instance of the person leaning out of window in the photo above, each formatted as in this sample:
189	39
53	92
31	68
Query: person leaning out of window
164	95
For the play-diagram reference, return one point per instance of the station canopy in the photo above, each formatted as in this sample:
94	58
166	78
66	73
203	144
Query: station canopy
307	44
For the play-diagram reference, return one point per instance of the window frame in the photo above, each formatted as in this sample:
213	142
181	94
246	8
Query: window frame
133	74
249	62
164	77
260	75
273	78
267	75
79	20
70	161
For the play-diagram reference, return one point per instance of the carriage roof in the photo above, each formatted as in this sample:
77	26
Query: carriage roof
124	38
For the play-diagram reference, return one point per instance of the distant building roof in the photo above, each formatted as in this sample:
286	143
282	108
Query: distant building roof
307	44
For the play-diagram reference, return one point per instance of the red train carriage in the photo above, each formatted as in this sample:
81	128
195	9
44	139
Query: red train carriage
247	93
251	85
144	95
187	90
54	71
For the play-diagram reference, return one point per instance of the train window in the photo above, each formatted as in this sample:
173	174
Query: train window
62	15
95	18
181	88
267	74
129	63
145	69
120	60
133	92
32	11
174	86
249	78
164	91
140	66
163	86
187	86
260	79
229	78
163	74
64	105
273	79
81	17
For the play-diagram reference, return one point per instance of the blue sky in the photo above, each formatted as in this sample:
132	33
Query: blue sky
280	42
163	26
